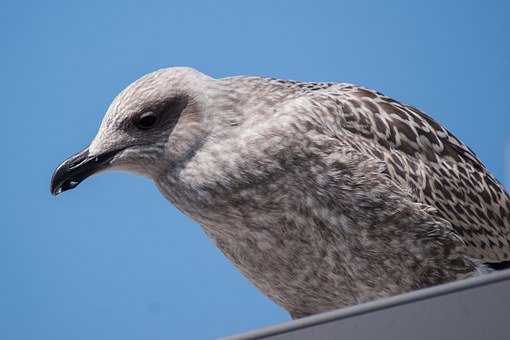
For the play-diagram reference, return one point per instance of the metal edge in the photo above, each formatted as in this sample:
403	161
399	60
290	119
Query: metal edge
375	305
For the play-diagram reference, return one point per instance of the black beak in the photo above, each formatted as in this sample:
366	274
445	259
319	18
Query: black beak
76	168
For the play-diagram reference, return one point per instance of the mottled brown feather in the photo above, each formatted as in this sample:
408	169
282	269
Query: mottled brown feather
436	166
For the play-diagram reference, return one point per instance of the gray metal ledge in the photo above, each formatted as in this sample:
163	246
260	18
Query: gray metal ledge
471	309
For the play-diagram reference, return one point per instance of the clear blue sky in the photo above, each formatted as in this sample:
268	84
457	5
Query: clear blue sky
113	259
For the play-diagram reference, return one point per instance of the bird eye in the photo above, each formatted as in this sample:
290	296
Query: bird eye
146	120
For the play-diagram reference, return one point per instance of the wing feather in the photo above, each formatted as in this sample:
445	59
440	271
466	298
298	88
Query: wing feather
425	157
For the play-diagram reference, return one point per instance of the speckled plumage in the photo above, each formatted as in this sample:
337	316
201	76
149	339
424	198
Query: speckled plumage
322	194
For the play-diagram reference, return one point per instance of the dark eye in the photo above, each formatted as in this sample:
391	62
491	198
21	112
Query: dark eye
146	120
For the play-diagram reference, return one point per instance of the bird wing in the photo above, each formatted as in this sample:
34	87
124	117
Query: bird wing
424	157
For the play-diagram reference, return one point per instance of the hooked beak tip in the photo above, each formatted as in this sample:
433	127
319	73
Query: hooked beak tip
77	168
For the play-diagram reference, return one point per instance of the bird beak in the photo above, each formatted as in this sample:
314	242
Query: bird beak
78	167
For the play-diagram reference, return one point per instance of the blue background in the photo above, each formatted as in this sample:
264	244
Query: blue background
112	259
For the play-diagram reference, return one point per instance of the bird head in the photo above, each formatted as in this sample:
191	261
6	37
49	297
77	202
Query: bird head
155	123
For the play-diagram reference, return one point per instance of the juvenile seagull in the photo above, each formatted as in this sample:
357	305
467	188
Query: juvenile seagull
322	194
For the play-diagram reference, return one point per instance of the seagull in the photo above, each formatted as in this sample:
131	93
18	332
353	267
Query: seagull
323	195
